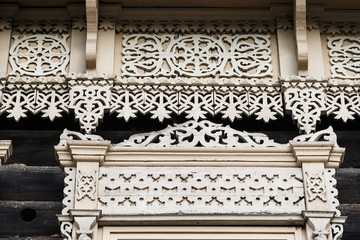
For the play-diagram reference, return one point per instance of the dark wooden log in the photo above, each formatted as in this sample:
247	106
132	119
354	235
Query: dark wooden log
351	229
29	218
348	185
21	183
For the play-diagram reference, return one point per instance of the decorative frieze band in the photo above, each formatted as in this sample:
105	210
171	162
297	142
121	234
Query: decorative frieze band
204	190
188	27
93	96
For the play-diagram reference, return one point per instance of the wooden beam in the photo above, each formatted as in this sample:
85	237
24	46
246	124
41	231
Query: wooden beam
92	15
299	8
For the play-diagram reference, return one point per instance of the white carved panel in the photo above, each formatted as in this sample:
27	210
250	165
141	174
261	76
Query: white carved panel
316	186
306	106
196	55
344	55
195	102
343	103
195	190
39	55
50	102
89	104
199	134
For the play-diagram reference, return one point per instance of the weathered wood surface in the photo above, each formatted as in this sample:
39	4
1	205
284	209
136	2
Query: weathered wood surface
44	224
351	229
23	183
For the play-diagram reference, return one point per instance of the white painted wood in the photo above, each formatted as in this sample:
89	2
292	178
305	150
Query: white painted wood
77	54
105	51
287	52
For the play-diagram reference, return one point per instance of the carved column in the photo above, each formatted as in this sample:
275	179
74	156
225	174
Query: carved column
319	161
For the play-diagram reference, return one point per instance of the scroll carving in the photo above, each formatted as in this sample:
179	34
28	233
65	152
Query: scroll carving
86	185
323	135
338	230
66	230
196	56
203	133
316	187
344	55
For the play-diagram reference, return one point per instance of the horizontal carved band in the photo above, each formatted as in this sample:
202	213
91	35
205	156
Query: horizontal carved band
91	96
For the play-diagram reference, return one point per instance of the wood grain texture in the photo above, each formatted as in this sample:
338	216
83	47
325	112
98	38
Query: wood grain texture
22	183
44	224
351	228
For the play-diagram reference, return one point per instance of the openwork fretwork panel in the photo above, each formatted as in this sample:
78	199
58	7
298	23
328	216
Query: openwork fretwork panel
40	48
155	190
195	102
344	55
39	55
196	55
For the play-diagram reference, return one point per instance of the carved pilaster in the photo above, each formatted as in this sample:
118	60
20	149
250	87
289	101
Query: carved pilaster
319	161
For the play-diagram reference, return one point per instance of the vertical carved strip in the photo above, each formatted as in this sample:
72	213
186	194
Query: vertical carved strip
69	190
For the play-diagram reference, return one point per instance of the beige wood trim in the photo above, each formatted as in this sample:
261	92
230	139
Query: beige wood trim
195	14
186	232
221	220
300	36
92	8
